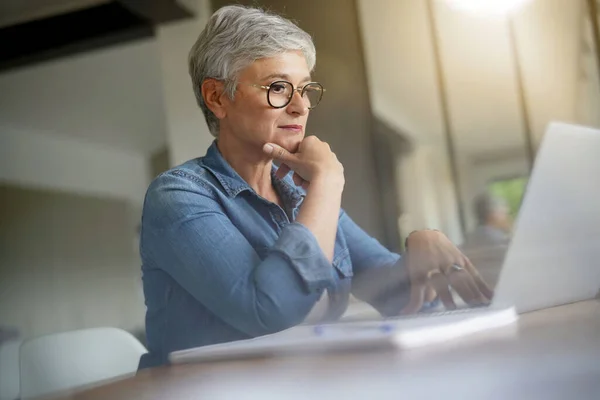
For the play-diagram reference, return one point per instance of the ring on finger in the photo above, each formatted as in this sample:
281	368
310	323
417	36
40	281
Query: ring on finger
454	268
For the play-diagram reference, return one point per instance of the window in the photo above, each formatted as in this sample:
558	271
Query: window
511	190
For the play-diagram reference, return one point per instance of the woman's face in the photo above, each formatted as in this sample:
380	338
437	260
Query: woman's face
251	119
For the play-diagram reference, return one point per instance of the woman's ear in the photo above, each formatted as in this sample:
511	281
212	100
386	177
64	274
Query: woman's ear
213	91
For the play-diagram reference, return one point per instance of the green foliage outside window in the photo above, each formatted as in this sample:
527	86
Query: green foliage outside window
511	190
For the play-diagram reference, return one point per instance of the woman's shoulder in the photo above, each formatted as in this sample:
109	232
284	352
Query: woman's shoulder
191	177
192	172
171	193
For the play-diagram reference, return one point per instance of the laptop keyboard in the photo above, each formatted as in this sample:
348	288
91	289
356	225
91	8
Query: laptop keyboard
441	313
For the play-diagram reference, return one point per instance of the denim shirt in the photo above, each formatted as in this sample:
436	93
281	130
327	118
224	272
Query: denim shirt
220	263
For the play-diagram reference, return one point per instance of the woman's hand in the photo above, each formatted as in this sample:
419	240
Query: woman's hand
434	263
314	160
317	169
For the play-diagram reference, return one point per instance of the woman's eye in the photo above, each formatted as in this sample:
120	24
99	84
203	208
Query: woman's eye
278	88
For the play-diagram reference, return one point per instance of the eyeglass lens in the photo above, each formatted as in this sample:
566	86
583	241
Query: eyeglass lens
280	94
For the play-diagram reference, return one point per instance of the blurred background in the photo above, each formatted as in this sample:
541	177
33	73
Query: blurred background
430	104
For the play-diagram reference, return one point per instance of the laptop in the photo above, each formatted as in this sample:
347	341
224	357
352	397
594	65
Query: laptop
553	259
554	254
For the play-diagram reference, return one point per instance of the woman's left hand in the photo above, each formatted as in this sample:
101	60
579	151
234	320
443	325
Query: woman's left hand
433	262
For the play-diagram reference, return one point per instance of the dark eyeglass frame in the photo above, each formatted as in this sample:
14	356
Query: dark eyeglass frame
298	89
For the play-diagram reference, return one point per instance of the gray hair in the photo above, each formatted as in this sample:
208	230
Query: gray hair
235	37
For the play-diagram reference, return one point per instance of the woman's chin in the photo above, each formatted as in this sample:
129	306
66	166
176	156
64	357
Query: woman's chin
289	144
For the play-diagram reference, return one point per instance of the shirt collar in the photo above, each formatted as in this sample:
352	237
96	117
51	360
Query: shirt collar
233	183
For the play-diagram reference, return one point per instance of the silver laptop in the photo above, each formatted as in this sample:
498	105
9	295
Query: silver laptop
554	255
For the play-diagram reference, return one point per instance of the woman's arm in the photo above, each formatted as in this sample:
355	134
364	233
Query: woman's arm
186	234
380	277
404	285
319	212
317	169
391	284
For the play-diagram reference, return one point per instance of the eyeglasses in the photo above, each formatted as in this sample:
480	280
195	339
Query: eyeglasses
280	93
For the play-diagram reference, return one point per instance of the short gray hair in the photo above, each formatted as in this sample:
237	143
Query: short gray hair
235	37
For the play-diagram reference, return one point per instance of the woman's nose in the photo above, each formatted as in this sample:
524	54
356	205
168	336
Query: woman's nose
297	104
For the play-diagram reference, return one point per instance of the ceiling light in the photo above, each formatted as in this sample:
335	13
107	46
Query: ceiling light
487	7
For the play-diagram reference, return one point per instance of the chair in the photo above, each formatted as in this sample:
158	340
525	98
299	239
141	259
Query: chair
9	369
72	359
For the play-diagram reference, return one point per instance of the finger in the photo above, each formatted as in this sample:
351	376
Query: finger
463	284
440	283
430	294
417	293
417	267
279	153
481	298
297	179
483	287
282	171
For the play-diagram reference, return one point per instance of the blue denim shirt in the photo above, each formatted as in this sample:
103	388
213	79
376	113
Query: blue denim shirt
220	263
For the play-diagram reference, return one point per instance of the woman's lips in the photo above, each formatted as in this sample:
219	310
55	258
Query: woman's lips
292	128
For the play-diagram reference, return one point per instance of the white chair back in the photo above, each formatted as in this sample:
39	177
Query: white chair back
9	369
67	360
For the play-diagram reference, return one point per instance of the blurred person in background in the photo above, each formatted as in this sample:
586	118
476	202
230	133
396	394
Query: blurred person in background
234	247
486	245
494	222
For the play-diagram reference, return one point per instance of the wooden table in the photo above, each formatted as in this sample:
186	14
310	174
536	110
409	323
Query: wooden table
550	354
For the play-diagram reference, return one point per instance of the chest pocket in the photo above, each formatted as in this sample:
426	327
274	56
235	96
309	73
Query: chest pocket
342	262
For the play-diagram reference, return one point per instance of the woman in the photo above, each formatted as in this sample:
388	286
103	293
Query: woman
234	248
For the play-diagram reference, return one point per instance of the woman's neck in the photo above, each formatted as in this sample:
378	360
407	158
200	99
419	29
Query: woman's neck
250	164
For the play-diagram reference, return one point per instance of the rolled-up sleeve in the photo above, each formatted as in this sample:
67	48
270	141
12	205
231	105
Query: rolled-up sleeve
190	237
302	251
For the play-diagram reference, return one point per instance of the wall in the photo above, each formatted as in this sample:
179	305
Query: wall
67	262
481	84
42	160
76	135
402	80
400	67
390	148
186	131
588	94
427	193
549	37
110	97
85	123
478	67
